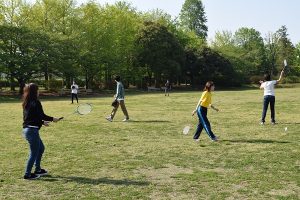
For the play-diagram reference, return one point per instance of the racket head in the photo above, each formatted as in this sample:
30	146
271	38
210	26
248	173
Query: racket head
186	130
84	108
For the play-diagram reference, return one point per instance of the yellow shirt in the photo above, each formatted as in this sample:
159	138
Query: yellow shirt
205	99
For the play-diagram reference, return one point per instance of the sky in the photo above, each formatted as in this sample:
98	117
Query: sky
230	15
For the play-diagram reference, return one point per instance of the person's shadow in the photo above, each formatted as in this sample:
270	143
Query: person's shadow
97	181
256	141
149	121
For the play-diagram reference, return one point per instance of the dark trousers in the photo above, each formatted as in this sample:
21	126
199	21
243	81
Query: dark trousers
203	123
123	107
37	149
268	99
74	95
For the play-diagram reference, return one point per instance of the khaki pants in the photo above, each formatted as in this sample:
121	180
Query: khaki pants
123	107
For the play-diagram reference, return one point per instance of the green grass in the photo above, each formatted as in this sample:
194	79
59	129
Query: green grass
150	158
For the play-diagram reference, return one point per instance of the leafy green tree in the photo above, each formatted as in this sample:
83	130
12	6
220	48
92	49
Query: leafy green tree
193	17
160	53
251	45
285	48
22	53
206	64
272	50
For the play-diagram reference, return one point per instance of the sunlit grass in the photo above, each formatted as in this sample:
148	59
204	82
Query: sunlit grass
149	157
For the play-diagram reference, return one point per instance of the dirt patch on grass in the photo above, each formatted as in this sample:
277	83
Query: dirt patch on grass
290	189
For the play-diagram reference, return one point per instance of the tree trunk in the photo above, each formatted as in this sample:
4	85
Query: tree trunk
46	74
12	86
86	80
21	86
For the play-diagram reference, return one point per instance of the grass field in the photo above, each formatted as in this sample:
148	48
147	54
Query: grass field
149	157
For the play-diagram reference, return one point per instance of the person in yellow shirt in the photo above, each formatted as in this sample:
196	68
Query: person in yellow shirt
201	109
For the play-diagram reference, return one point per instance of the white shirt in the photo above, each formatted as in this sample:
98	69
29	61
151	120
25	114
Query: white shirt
74	88
269	87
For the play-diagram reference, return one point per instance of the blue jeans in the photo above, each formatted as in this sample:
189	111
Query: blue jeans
268	99
203	123
36	149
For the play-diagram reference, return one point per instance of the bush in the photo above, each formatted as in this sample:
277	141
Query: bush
291	79
4	84
55	85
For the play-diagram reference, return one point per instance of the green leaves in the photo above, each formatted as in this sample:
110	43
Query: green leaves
193	17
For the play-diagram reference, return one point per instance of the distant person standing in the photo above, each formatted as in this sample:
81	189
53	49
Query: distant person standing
269	96
74	91
167	88
120	100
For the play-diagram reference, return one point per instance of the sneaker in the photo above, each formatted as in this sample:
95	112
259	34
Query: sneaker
31	176
196	140
273	123
216	139
262	123
125	120
108	119
42	172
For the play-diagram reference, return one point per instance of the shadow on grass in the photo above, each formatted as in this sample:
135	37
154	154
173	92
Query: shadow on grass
257	141
97	181
289	123
149	121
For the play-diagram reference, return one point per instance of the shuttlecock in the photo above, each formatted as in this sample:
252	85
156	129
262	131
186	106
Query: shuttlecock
285	129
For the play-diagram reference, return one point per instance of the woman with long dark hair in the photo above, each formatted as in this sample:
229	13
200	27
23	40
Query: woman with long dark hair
33	119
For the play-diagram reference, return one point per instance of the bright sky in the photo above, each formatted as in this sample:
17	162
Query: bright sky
263	15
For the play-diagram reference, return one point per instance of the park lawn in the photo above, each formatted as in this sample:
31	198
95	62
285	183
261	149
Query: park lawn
149	158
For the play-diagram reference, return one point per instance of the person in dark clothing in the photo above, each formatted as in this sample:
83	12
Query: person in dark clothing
167	88
33	119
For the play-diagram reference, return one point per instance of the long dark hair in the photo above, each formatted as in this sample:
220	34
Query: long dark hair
30	94
208	86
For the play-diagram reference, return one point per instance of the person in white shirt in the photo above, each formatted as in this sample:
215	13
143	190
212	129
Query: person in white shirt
269	96
74	91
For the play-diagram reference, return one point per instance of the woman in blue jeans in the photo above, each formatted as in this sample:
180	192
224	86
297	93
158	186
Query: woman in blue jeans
269	96
33	118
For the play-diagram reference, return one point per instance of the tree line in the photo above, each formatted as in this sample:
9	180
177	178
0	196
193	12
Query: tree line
52	40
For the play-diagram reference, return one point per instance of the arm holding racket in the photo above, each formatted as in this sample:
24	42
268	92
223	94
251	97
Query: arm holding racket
213	107
194	111
281	75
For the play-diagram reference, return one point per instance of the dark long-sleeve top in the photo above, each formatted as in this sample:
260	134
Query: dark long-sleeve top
33	115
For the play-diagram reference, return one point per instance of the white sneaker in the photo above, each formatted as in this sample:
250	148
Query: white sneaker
125	120
196	140
262	123
108	119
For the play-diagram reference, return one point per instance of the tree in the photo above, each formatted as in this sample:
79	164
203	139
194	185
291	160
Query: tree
159	52
271	49
22	52
251	45
193	17
285	47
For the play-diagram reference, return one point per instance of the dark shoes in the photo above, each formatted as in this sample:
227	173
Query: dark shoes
31	176
36	175
42	172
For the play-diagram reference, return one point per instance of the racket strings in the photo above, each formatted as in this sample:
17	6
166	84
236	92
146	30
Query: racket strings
84	109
